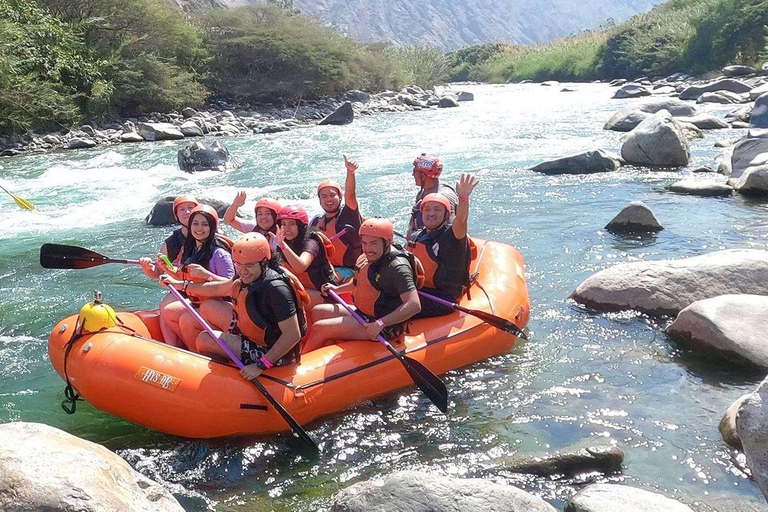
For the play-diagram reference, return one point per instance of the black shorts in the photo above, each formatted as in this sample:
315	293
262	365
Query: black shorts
251	352
390	332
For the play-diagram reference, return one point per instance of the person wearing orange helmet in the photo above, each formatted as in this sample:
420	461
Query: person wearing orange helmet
426	173
384	292
266	211
171	247
337	217
266	308
443	247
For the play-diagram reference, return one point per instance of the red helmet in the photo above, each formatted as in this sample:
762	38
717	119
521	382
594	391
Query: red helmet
181	200
265	202
436	198
429	165
329	184
209	212
380	227
295	212
251	248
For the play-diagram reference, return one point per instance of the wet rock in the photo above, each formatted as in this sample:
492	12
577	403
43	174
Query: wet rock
631	91
80	143
726	84
626	121
732	71
357	96
550	83
88	130
131	137
718	97
758	91
758	117
10	152
583	163
752	427
44	468
636	217
448	102
159	131
413	89
628	118
727	426
657	141
620	498
272	128
465	96
567	89
730	325
342	115
749	166
704	121
423	492
665	287
702	169
605	459
724	143
191	129
702	188
162	213
189	112
617	82
199	156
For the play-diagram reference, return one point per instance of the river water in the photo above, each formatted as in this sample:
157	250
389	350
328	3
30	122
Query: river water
582	378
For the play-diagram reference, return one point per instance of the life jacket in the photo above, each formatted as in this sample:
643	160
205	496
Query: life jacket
346	243
369	297
440	273
416	218
320	271
249	321
224	242
174	244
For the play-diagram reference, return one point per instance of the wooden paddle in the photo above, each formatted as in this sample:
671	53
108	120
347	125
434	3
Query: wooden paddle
23	203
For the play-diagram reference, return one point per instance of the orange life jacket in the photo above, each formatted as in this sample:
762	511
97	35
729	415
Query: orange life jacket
368	293
318	273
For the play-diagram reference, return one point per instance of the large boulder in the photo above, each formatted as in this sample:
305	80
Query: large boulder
628	118
605	459
447	102
198	157
342	115
657	141
159	131
729	325
727	426
752	427
749	166
631	91
726	84
721	97
621	498
131	137
162	213
44	468
704	188
191	129
732	71
81	143
667	286
357	96
414	491
465	96
583	163
704	121
758	91
636	217
758	116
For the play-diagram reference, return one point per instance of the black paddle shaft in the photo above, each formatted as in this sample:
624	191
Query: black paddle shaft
73	257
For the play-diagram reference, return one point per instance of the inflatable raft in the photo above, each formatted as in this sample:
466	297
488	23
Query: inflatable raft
124	371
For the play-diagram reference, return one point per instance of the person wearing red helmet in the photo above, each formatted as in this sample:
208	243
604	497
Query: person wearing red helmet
336	217
266	309
171	247
266	211
304	251
204	257
443	247
426	174
384	292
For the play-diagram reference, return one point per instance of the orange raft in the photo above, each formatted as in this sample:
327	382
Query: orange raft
171	390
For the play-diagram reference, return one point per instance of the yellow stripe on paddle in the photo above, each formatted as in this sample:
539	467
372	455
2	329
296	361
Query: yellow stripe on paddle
23	203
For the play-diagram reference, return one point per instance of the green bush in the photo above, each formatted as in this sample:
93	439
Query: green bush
461	63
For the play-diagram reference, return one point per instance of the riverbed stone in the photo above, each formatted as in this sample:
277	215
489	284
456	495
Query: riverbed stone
705	121
131	137
81	143
569	462
749	166
162	212
631	90
414	491
465	96
758	117
621	498
704	188
550	83
159	131
657	141
665	287
191	129
752	427
738	70
731	325
44	468
341	116
617	82
447	102
628	118
584	163
726	84
357	96
635	217
727	426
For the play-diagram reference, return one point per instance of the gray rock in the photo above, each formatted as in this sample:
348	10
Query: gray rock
567	89
465	96
357	96
730	325
702	169
727	426
724	143
448	102
131	137
413	89
273	128
583	163
621	498
752	427
749	166
605	459
414	491
628	118
191	129
550	83
189	112
657	141
717	97
703	188
162	213
617	82
78	143
664	89
743	113
342	115
732	71
758	91
200	156
44	468
665	287
759	114
726	84
159	131
636	217
88	130
704	121
51	139
631	91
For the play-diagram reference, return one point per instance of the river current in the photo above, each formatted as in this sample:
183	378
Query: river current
583	378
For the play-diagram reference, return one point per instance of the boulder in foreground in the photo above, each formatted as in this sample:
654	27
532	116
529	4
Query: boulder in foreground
636	217
584	163
621	498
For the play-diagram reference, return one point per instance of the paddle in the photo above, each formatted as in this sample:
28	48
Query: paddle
496	321
23	203
279	408
427	381
73	257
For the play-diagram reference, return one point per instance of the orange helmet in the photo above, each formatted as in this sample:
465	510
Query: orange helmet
329	184
295	212
429	165
266	202
380	227
436	198
209	212
251	248
181	200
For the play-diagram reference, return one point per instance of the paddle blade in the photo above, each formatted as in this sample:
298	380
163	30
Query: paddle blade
300	432
69	257
429	383
23	203
498	322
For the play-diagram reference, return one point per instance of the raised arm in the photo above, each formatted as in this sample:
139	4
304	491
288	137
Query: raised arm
350	194
464	188
230	217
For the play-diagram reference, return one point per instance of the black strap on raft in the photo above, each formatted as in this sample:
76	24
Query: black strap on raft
70	395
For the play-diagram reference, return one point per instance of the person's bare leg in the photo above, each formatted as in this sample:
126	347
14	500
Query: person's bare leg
169	336
337	328
216	312
207	346
323	311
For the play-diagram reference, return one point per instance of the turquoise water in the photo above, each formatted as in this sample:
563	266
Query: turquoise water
582	377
